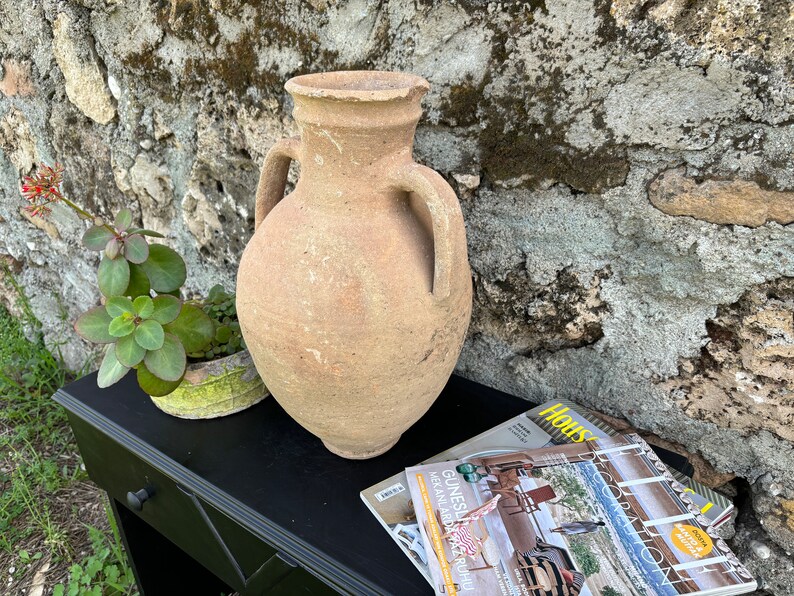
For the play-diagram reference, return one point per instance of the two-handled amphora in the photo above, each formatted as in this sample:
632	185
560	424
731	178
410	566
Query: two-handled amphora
354	293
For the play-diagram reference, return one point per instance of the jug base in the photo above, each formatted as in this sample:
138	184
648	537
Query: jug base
348	454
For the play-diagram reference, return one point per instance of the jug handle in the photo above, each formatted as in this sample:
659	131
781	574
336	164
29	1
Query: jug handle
273	179
445	214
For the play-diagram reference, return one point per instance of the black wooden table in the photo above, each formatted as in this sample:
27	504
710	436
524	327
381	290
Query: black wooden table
252	502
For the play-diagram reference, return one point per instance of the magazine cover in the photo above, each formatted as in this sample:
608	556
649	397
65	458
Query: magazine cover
566	421
561	422
602	517
390	500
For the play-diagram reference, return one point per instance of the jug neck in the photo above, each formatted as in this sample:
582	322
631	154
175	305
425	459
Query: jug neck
354	125
339	153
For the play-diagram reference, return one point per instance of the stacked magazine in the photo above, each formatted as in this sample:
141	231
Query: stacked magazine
554	503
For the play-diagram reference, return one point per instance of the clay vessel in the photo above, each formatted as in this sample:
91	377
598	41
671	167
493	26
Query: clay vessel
354	293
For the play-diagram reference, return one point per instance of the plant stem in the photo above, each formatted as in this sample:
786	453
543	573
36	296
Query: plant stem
85	213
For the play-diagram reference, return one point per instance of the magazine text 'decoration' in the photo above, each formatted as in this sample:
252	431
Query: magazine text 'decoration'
566	422
600	517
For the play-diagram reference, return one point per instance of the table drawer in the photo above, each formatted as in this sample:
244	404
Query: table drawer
229	551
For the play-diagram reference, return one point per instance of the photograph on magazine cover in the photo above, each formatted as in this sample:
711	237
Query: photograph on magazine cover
390	500
600	517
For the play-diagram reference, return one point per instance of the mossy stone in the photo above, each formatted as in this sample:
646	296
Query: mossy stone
217	388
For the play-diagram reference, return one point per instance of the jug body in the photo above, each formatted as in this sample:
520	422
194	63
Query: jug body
354	293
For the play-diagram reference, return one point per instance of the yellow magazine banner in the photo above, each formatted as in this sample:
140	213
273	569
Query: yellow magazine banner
435	536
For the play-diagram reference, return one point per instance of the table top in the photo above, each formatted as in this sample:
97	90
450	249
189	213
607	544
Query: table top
276	479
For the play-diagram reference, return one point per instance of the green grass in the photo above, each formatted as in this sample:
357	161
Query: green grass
104	570
29	422
55	528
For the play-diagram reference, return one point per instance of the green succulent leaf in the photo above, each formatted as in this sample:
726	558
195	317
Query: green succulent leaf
118	305
111	370
143	306
121	326
165	268
113	276
139	282
223	334
123	219
136	249
145	232
150	335
154	386
166	308
169	362
128	351
97	237
193	327
113	248
93	325
216	294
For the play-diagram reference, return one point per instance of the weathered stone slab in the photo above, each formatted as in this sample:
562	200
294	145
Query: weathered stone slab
16	140
77	59
15	79
743	377
737	202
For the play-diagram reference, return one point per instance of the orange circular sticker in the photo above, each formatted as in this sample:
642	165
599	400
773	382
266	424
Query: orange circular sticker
691	540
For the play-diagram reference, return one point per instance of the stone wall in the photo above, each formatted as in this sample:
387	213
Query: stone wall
625	170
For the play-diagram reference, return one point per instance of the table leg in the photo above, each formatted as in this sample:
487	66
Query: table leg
160	567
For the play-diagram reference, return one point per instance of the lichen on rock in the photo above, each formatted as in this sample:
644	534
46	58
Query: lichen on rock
758	30
671	107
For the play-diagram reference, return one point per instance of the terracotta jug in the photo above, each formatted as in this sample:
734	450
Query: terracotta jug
354	293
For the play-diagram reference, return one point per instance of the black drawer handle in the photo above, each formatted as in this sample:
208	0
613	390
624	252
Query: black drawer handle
135	500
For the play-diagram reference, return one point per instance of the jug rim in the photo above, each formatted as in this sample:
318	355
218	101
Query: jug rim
358	85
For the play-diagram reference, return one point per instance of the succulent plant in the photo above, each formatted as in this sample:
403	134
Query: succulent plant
151	335
227	338
143	322
129	265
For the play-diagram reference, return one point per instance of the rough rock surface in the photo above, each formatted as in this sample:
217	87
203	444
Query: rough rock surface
721	201
16	79
743	377
552	118
85	85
